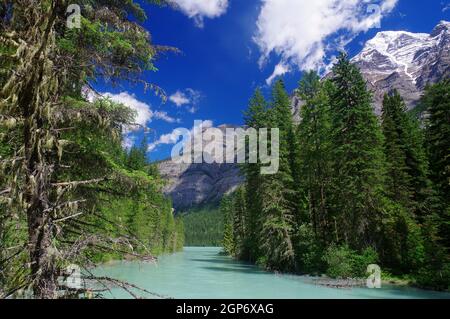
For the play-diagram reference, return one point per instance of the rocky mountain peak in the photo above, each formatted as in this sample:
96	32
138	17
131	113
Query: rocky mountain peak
405	61
442	27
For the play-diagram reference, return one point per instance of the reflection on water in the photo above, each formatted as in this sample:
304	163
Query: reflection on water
204	273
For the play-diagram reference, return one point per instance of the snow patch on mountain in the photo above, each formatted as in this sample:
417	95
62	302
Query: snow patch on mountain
406	61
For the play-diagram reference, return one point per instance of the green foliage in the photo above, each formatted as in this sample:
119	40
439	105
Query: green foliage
277	191
407	168
66	184
368	256
437	101
343	262
314	134
435	270
203	226
358	158
226	210
350	191
255	117
403	244
339	261
309	251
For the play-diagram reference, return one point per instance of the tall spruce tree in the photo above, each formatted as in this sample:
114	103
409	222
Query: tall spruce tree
406	182
358	158
255	117
240	224
277	190
226	208
437	103
314	133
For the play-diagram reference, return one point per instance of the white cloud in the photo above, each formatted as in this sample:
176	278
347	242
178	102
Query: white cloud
445	7
201	9
189	98
179	98
174	136
160	115
280	69
143	110
128	141
144	113
303	32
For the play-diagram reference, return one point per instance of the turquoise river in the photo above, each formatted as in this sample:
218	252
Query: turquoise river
198	273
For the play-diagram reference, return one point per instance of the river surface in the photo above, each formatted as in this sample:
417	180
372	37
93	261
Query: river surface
198	273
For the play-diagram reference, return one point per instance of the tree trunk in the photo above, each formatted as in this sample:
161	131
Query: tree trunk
38	166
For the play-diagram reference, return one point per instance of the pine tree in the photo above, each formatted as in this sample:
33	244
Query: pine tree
358	158
437	103
255	117
314	134
277	191
229	244
240	224
406	181
289	148
137	157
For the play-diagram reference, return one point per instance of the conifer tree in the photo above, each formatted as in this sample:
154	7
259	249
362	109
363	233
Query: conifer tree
226	209
255	117
277	191
358	158
406	164
315	154
240	224
44	65
437	103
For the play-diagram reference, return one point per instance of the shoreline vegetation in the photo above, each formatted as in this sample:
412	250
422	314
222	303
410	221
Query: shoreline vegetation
353	189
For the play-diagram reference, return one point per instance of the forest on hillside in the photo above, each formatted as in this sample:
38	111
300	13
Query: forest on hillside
203	227
69	192
353	189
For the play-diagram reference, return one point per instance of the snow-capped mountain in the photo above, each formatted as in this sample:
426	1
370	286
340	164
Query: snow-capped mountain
405	61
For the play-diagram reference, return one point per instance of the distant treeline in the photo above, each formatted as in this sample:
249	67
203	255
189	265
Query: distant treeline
203	227
353	189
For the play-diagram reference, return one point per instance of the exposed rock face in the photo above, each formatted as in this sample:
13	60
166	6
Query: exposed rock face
392	59
191	185
196	184
405	61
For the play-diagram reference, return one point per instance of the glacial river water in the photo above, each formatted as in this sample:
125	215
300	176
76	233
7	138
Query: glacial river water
199	273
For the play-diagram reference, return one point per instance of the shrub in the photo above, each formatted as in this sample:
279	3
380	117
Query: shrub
432	278
360	262
339	261
343	262
309	251
403	248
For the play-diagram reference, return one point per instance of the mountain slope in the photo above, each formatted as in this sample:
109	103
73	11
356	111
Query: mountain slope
192	185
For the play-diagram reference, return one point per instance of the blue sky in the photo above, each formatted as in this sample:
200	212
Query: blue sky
230	47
